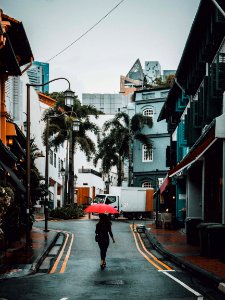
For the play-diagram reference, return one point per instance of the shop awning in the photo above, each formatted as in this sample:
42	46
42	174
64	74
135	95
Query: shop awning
164	185
5	153
10	129
200	147
13	177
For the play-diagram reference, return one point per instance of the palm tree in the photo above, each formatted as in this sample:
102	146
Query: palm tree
60	119
58	125
108	155
116	144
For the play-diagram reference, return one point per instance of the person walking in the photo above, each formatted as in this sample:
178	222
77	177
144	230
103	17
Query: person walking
103	230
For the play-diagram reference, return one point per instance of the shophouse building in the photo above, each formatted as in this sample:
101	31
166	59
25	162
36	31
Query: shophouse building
149	165
195	113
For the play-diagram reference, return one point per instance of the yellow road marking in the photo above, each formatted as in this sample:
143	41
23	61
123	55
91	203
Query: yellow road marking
154	257
67	256
143	254
60	255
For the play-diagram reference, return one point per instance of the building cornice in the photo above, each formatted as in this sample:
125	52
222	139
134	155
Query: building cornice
46	99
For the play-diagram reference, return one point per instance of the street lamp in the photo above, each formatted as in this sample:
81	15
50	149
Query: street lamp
28	152
75	126
69	98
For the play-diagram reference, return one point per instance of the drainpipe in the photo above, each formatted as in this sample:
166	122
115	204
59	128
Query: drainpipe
3	112
223	171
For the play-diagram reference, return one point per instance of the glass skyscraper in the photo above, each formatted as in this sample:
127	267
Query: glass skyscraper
38	73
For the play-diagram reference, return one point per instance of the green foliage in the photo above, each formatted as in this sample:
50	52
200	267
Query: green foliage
159	83
116	143
6	198
60	121
67	212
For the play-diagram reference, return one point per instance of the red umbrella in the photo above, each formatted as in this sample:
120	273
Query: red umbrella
101	208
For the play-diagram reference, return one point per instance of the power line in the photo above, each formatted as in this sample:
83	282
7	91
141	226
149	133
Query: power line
80	37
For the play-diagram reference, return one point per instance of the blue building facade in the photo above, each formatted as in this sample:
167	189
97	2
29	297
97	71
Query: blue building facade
149	165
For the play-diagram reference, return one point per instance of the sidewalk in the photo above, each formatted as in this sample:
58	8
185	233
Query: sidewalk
21	260
172	244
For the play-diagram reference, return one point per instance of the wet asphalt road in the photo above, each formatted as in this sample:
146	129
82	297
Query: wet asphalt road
128	275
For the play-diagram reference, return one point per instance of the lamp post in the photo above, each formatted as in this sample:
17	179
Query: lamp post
63	174
75	126
28	169
75	195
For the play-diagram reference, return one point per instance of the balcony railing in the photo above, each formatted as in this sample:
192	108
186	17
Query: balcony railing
90	171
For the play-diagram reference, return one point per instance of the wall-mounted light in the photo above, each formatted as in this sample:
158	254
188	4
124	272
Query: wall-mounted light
9	141
14	168
63	172
25	126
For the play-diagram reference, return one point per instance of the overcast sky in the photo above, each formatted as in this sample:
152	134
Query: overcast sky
144	29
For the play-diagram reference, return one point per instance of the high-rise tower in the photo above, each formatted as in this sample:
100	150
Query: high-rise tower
38	73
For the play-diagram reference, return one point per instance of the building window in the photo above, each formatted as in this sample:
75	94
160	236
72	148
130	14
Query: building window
55	160
51	157
147	154
149	112
60	167
160	181
146	184
148	96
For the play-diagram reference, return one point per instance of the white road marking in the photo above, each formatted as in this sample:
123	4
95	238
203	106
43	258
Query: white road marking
199	296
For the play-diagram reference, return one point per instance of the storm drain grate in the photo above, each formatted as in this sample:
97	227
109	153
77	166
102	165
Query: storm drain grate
110	282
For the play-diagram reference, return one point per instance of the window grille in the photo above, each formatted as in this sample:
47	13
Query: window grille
51	157
147	154
149	112
146	184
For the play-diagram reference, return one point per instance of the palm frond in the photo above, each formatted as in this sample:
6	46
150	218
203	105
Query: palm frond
144	139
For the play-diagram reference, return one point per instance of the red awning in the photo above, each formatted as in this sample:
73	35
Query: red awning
164	185
196	152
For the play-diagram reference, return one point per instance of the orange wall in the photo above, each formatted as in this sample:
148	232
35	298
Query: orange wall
149	200
82	195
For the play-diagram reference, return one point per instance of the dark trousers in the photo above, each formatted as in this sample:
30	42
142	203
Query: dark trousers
103	245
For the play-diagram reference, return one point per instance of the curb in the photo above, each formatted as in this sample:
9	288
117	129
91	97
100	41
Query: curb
36	264
215	281
31	269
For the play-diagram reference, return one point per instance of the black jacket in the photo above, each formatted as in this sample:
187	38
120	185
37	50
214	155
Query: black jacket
104	230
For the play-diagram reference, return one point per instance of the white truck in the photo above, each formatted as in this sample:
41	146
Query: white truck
131	202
